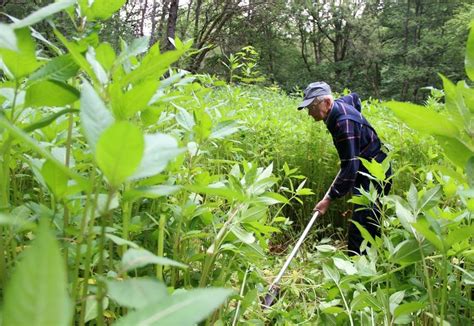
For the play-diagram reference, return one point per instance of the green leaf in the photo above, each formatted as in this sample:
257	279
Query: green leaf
105	54
408	308
136	293
331	273
423	119
406	252
405	217
37	293
136	99
459	235
188	308
225	128
375	168
7	38
272	198
363	300
365	234
470	171
40	94
224	192
457	152
184	119
42	13
153	66
92	307
95	117
150	192
395	299
422	227
100	9
160	149
469	60
55	179
344	265
58	69
47	120
119	241
430	198
22	62
119	151
136	258
244	236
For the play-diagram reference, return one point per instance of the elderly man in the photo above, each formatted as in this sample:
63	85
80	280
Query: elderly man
353	137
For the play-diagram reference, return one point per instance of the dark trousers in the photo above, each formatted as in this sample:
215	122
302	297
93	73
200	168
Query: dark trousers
367	217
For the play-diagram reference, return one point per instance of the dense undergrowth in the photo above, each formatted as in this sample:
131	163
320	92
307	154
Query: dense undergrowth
129	197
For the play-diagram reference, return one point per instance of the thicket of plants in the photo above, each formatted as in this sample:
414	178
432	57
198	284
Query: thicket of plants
136	193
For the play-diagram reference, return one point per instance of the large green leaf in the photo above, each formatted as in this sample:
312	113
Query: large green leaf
7	38
119	151
160	149
37	291
136	293
59	69
105	54
41	94
55	179
135	258
100	9
423	119
22	62
42	13
188	308
95	117
457	152
469	61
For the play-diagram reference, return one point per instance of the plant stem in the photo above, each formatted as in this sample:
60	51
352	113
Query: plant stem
161	243
105	218
428	283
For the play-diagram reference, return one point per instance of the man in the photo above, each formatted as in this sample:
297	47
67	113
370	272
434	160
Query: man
353	137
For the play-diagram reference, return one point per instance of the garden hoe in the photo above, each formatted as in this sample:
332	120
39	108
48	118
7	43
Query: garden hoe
274	288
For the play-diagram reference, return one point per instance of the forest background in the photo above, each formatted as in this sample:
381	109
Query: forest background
381	49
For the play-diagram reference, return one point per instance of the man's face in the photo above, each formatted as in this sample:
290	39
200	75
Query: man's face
318	109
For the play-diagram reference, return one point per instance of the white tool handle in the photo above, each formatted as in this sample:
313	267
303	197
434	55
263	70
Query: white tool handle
295	249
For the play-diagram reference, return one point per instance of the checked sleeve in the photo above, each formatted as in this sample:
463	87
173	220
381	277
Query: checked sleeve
347	142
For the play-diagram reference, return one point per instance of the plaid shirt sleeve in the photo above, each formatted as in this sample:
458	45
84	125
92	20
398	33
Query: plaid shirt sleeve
347	142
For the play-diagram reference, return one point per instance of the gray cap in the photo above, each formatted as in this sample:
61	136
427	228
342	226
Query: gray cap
312	91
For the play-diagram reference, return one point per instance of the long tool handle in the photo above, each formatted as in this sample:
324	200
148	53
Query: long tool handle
295	249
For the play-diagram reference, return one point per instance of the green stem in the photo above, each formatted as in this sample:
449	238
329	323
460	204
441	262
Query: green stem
428	283
444	289
106	216
66	209
127	214
161	243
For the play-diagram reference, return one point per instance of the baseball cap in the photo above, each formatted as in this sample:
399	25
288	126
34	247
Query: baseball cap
312	91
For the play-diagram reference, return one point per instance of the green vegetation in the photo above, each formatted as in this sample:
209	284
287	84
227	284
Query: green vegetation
136	193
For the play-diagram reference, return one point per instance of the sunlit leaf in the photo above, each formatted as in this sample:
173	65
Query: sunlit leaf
39	94
119	151
423	119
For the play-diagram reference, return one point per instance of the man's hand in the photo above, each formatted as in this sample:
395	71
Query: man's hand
322	206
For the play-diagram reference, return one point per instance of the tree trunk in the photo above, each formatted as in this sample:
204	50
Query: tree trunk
142	23
171	30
